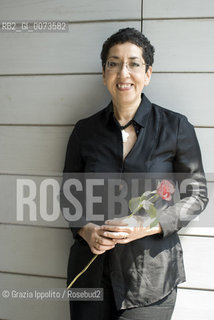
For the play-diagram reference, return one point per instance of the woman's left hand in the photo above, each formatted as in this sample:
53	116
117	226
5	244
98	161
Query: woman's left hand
127	229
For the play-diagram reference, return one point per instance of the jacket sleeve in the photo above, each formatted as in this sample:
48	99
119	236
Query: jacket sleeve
187	167
73	163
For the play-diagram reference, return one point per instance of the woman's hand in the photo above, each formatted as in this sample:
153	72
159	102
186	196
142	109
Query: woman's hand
94	236
127	229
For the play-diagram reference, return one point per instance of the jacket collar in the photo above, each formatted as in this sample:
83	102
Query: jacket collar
143	111
141	115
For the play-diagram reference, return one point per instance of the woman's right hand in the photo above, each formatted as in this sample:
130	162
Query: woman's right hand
93	235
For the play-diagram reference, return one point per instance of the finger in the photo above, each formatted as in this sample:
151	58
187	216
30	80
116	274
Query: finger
115	228
123	241
100	247
116	222
102	243
106	241
96	248
116	235
95	251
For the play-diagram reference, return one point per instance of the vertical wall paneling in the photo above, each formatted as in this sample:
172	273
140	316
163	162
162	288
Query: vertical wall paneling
183	81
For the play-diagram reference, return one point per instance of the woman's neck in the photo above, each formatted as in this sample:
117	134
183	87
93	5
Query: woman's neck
124	113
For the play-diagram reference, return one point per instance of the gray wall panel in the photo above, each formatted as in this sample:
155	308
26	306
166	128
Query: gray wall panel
178	9
75	51
182	45
70	10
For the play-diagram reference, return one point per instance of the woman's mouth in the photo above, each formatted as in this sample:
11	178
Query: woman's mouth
124	86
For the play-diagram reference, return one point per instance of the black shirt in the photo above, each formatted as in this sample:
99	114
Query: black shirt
145	270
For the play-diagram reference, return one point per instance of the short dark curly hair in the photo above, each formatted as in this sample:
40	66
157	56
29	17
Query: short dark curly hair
133	36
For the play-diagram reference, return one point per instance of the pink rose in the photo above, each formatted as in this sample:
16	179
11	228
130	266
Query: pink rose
165	190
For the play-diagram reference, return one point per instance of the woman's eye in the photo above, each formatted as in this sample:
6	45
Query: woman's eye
112	64
134	65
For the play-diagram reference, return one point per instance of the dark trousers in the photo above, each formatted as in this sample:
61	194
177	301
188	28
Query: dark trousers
106	309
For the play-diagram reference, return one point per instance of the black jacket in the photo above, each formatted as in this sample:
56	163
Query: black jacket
145	270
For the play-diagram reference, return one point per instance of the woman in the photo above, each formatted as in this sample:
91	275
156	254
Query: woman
139	267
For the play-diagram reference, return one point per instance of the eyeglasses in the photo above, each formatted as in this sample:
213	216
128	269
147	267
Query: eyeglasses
132	66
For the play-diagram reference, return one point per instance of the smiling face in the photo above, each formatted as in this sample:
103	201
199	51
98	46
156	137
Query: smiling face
126	86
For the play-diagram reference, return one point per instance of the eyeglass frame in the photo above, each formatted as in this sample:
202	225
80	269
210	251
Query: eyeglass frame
121	65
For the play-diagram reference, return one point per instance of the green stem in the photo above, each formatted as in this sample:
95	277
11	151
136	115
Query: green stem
79	274
136	210
155	196
154	223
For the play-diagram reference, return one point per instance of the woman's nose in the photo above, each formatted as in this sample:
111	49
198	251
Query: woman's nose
124	69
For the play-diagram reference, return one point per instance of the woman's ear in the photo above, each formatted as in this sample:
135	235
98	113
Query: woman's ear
148	75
